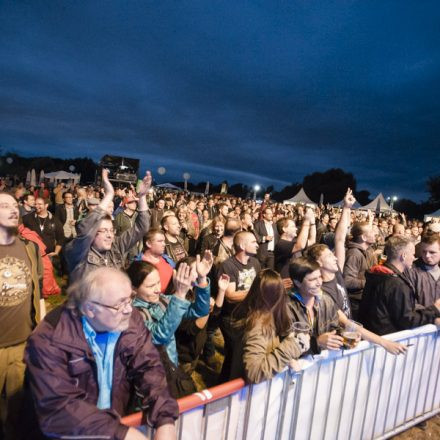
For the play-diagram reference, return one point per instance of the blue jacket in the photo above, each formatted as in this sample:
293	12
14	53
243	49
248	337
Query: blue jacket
163	318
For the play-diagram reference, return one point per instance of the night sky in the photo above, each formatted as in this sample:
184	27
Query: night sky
258	91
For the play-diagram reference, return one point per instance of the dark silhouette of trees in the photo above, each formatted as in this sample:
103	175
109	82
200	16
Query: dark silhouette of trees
433	184
333	183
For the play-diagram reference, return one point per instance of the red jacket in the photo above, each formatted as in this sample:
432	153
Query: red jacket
62	373
50	285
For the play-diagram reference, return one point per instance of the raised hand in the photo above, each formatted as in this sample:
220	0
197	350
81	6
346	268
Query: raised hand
182	280
349	199
106	184
223	282
204	265
145	185
310	215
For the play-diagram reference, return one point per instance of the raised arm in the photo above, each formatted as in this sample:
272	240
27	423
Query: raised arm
308	222
342	227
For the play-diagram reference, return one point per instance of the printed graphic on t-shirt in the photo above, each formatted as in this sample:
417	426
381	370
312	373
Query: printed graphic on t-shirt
15	279
345	305
245	278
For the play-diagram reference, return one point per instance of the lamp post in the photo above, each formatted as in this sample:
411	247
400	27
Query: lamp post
256	189
392	200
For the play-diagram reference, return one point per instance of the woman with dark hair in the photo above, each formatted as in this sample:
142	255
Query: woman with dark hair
269	345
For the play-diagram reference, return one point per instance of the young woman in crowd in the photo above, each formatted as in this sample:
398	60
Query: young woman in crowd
269	345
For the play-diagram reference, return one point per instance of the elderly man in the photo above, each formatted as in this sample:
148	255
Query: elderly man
90	358
96	244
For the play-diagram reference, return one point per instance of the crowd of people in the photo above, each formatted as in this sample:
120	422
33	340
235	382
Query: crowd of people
155	278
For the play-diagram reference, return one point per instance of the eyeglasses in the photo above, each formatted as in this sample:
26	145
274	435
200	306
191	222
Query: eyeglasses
120	307
105	231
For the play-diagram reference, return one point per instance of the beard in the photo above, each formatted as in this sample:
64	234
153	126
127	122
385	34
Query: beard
12	231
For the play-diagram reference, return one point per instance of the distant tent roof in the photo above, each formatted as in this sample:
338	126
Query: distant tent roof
340	204
435	214
62	175
301	197
168	186
383	205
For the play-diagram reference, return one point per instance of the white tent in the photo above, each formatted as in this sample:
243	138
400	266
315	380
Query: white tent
28	178
380	202
41	176
63	175
169	186
429	217
341	204
300	197
33	178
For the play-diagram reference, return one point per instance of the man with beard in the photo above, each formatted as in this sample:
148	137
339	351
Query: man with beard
174	245
20	273
425	274
47	226
93	357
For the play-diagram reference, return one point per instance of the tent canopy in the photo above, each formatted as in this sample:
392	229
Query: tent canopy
380	202
169	186
300	197
62	175
341	205
429	217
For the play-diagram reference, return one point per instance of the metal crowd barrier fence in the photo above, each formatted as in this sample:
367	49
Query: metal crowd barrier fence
363	393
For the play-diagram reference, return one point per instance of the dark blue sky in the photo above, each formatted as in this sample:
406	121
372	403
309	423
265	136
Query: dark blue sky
258	91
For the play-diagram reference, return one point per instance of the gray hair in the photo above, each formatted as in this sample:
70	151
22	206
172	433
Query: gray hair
92	285
395	245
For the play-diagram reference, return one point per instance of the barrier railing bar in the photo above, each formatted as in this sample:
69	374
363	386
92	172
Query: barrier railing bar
407	425
228	416
205	419
297	398
266	409
389	394
329	396
401	386
368	391
430	372
179	428
314	400
247	411
436	381
341	401
378	395
317	376
284	394
411	380
421	376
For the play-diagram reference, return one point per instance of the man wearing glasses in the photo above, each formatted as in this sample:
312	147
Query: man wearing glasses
93	358
96	245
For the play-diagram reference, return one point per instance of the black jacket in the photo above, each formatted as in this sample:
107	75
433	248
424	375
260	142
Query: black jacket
260	233
389	303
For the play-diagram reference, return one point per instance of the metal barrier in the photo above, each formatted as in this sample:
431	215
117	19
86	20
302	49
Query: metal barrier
364	393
